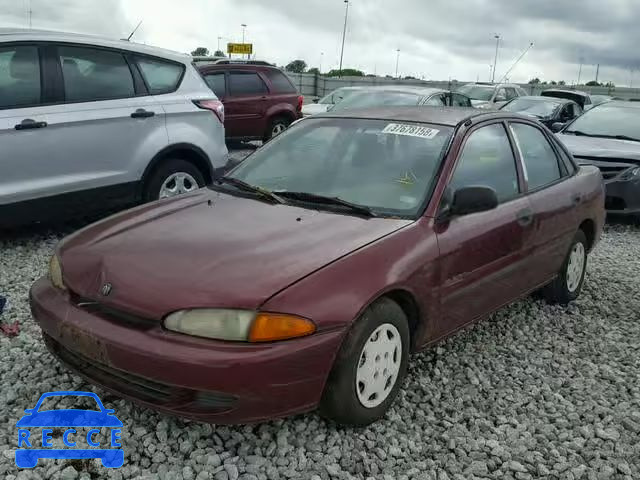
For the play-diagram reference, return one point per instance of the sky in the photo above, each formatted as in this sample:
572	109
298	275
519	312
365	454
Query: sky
437	39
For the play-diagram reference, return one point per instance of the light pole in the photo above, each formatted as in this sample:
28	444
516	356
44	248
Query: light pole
321	59
397	61
244	28
495	61
219	38
344	33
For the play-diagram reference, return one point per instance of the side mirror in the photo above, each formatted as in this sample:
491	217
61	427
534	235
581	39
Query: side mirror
469	200
557	126
316	100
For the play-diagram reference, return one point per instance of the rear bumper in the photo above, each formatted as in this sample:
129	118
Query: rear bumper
212	381
623	198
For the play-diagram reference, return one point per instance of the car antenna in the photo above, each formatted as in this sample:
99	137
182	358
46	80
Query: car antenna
516	63
134	31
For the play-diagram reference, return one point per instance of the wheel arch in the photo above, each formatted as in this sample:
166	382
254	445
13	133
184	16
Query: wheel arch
184	151
588	226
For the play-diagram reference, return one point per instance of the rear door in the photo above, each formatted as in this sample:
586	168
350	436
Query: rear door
550	187
482	256
105	128
245	104
24	148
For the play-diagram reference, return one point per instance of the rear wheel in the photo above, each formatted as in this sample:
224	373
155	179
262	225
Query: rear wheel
568	284
370	367
172	178
276	126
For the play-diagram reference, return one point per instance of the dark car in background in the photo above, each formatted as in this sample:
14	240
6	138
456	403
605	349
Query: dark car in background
546	110
581	98
394	95
608	136
307	276
260	101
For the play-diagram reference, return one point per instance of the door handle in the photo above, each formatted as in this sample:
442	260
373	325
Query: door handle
30	124
577	200
142	113
525	217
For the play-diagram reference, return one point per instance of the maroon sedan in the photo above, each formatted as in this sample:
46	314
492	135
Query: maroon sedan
307	276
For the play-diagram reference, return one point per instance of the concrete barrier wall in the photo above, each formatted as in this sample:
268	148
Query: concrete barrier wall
314	86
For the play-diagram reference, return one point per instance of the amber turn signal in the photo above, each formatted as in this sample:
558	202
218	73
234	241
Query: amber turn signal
270	327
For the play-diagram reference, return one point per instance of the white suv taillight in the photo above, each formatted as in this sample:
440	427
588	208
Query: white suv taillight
215	106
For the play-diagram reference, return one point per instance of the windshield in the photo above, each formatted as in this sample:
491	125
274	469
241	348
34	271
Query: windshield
608	120
538	108
374	98
336	96
477	92
389	167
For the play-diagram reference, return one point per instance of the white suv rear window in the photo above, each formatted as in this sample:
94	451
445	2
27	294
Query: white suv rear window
161	77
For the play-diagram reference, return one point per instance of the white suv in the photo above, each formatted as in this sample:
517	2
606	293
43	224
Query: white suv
89	123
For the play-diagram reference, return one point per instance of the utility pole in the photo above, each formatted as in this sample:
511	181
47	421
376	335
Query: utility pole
344	33
397	61
244	28
495	61
597	72
580	70
30	15
321	59
219	38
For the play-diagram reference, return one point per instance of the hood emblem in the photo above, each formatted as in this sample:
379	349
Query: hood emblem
106	289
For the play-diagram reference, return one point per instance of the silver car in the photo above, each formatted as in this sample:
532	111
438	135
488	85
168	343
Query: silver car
88	123
491	95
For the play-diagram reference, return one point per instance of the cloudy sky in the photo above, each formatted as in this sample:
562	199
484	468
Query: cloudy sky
438	39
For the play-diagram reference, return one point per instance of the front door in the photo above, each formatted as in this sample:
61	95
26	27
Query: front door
482	255
245	105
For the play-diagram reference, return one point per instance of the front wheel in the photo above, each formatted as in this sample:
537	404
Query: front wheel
370	367
568	284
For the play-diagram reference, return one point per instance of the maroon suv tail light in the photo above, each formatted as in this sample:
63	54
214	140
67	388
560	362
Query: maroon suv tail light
215	106
300	102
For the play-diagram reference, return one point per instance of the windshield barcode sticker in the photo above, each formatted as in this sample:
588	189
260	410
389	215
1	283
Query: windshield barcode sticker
410	130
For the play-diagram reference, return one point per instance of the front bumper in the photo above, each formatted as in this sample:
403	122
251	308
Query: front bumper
623	197
218	382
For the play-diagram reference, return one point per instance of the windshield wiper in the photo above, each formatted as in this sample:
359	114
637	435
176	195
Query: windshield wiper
321	199
595	135
247	187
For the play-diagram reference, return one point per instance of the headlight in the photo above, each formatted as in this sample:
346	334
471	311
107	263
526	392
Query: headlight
238	325
630	174
55	273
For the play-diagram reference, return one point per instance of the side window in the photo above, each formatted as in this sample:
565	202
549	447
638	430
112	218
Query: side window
280	82
217	83
19	77
161	77
501	96
92	74
511	93
436	101
487	160
246	84
540	160
458	100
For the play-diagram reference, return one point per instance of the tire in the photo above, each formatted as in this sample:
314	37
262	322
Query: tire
192	177
567	285
277	125
341	401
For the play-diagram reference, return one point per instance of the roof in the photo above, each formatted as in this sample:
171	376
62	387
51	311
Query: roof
618	103
21	34
564	90
237	66
438	115
545	99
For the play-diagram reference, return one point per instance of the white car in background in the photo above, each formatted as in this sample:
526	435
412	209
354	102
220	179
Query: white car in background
325	103
89	124
491	95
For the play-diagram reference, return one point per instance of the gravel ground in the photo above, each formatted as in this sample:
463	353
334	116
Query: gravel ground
533	392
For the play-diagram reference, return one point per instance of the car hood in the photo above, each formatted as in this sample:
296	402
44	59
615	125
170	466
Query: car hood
601	148
69	418
208	249
315	108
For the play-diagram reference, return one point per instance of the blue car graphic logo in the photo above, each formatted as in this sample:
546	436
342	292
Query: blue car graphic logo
67	419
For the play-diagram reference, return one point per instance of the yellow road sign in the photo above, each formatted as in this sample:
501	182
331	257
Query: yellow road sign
240	48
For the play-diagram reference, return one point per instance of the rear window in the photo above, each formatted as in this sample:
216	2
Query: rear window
280	82
19	77
245	84
160	76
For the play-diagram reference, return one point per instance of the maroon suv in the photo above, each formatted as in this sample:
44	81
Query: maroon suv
260	101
